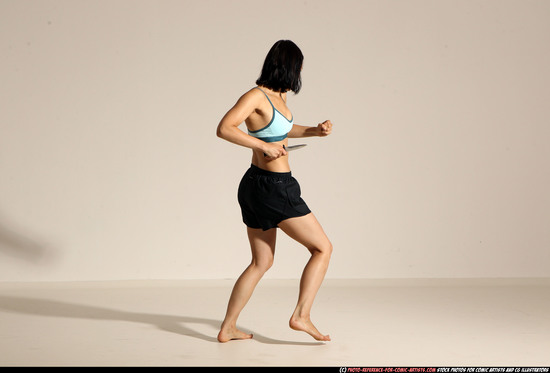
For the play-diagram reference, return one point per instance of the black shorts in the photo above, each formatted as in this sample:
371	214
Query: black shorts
267	198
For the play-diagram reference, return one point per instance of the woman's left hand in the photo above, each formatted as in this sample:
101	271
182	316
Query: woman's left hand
324	128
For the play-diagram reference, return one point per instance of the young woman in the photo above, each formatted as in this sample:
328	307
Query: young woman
268	195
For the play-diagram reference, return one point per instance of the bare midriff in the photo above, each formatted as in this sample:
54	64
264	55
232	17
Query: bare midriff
276	165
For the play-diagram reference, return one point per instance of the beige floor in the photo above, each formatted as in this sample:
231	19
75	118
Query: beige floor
372	323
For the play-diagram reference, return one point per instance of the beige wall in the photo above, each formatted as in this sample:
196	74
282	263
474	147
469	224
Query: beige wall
110	169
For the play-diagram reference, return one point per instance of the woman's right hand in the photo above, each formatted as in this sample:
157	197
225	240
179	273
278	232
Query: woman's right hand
273	151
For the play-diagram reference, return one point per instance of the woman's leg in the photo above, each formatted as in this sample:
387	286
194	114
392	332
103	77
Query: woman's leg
262	244
307	231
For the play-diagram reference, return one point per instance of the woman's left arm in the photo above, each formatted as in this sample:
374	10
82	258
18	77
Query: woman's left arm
322	129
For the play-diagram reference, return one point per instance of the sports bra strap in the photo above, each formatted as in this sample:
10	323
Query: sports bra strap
266	96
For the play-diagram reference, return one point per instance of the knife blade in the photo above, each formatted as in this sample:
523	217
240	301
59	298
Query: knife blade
291	148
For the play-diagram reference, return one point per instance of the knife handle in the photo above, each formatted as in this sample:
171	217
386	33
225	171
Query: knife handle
284	147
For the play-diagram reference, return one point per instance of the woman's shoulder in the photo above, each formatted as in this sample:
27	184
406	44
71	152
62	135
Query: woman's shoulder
253	95
254	92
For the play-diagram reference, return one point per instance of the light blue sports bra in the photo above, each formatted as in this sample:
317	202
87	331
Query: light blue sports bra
277	129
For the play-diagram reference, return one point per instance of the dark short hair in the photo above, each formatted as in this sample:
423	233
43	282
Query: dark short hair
282	67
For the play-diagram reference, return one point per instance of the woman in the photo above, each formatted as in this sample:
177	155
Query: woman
268	195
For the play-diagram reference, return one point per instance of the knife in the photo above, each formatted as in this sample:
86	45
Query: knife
291	148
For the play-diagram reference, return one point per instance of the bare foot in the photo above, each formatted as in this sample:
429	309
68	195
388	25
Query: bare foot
305	325
227	334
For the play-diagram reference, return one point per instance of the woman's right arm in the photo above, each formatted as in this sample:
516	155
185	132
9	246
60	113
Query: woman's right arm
228	128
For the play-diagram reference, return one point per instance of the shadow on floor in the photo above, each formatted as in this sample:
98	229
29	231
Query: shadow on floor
168	323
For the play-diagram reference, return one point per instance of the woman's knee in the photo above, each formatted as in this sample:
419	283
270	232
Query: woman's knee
263	264
324	248
328	248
